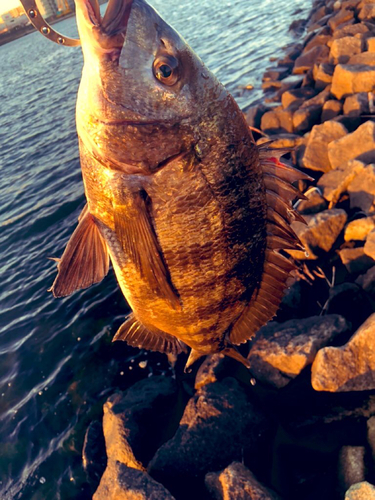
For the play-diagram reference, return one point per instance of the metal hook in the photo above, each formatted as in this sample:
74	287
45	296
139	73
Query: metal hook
43	27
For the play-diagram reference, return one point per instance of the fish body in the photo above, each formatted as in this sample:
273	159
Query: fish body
179	198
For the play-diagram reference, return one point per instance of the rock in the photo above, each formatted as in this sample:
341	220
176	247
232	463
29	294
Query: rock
120	482
331	109
254	114
305	118
359	144
277	120
350	367
343	48
316	153
355	260
282	350
367	12
317	40
365	58
367	282
290	82
277	73
296	96
370	44
307	59
198	446
319	99
236	482
350	122
318	14
336	182
352	78
362	190
210	370
343	16
358	229
369	247
350	30
94	457
357	104
361	491
320	234
371	435
314	204
282	141
135	422
350	301
351	466
323	75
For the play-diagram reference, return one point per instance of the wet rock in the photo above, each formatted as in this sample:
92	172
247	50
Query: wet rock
365	58
362	190
357	104
367	12
211	370
358	229
236	482
306	60
323	75
297	96
350	30
359	144
282	350
120	482
361	491
370	43
305	118
343	48
314	204
352	78
350	367
93	454
331	109
355	260
352	468
367	282
343	16
319	236
316	153
136	422
254	114
198	446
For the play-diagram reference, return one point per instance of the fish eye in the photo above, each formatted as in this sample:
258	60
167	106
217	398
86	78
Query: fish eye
165	69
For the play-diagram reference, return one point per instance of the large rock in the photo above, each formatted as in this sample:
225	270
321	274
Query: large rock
296	96
277	120
343	16
367	12
254	115
362	190
314	204
198	447
316	153
355	260
120	482
356	104
370	44
236	482
136	422
318	40
305	118
336	182
369	247
358	229
351	30
331	109
282	350
351	468
307	59
319	236
343	48
367	282
94	458
323	75
350	367
359	144
361	491
351	78
365	58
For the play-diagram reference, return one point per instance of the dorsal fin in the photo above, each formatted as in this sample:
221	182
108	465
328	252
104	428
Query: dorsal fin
280	193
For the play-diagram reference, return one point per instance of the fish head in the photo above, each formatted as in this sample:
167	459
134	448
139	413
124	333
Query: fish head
144	93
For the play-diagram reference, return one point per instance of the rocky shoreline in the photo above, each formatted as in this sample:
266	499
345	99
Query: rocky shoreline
304	426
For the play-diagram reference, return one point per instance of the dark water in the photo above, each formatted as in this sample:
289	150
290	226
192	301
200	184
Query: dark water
57	363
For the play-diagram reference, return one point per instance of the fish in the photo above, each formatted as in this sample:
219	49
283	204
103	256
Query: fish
191	213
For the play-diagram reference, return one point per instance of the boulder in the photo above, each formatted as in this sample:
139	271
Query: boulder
236	482
362	190
359	144
370	43
211	370
351	467
319	99
355	260
350	367
352	78
94	457
198	446
350	30
280	141
331	109
369	247
343	16
358	229
277	73
314	204
361	491
120	482
135	422
365	58
336	182
307	59
316	152
371	435
305	118
367	12
319	236
343	48
350	122
316	41
298	96
367	282
323	75
282	350
277	120
253	115
356	104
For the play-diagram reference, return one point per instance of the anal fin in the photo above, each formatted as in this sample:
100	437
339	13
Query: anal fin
134	333
85	260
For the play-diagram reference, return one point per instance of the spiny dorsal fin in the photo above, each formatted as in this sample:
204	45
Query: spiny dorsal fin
276	271
134	333
85	260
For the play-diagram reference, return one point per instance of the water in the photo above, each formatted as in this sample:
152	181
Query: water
57	363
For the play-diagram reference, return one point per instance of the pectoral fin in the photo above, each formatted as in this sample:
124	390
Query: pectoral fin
138	239
85	260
